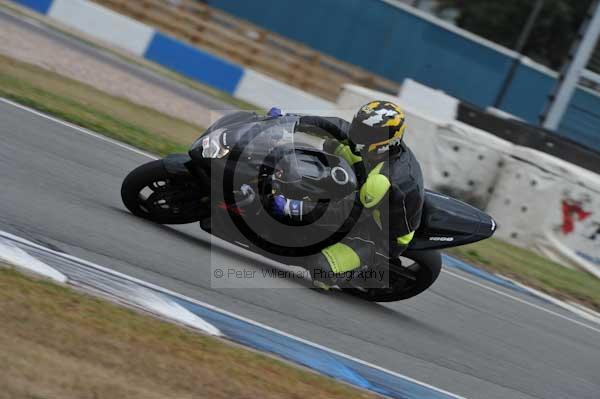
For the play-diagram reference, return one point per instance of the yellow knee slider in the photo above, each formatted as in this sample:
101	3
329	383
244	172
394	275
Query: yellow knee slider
341	258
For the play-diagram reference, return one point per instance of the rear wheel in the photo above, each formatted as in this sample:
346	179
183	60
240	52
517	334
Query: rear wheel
152	193
406	282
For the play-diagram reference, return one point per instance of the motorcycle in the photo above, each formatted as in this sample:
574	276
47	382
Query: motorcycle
244	156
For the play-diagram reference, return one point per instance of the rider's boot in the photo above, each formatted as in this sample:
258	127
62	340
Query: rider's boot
321	285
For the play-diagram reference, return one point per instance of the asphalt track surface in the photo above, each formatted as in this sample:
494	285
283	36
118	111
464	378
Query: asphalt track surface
60	187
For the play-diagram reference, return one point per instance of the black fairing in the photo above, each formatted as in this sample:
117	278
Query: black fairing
316	169
448	222
319	175
176	164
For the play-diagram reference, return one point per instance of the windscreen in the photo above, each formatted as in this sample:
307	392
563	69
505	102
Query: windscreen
268	142
259	141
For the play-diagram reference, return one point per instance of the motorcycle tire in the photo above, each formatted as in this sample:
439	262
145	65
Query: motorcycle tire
175	199
427	268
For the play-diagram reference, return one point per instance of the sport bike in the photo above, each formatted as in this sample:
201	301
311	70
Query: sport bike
232	172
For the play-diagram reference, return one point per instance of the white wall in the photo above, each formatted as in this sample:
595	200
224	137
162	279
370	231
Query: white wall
531	206
433	103
466	162
103	24
267	92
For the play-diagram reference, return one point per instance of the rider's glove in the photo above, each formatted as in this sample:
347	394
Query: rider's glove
344	151
278	206
341	150
282	207
275	112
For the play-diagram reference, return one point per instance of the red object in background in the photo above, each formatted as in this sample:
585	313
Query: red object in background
570	209
231	208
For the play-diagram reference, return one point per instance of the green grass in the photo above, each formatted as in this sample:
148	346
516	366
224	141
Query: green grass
59	343
86	106
533	270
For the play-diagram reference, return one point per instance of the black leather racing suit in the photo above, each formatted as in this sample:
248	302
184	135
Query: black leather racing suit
401	208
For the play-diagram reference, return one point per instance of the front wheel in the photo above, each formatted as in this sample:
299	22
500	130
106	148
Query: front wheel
425	270
152	193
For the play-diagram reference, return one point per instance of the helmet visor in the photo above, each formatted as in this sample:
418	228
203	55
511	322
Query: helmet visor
364	136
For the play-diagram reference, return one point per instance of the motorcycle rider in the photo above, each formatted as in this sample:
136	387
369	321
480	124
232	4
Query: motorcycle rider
391	192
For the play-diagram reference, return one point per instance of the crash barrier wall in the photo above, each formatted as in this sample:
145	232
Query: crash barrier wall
142	40
398	42
550	207
539	201
530	136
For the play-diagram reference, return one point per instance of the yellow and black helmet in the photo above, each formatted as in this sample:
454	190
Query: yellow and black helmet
377	126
